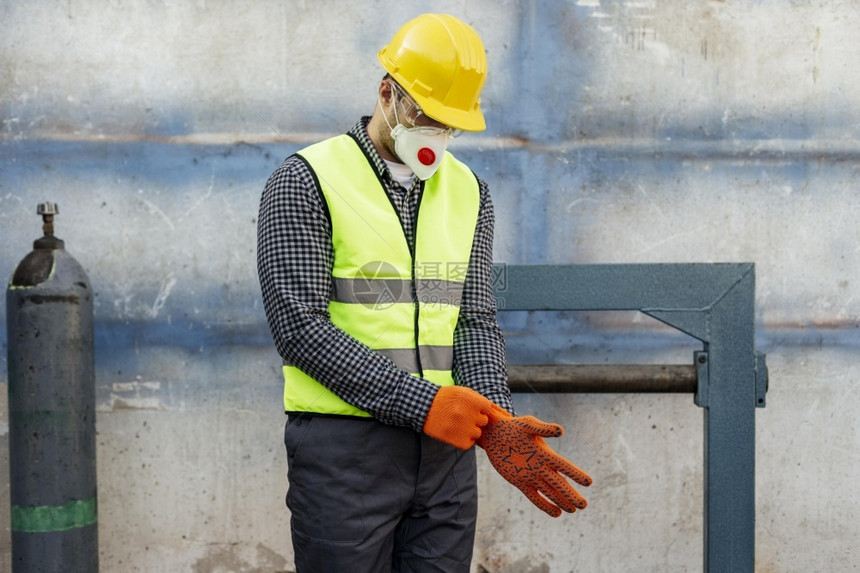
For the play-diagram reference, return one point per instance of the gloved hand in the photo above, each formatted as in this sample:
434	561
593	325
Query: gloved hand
457	416
517	451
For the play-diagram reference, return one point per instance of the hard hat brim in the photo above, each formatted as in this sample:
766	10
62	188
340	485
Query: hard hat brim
452	117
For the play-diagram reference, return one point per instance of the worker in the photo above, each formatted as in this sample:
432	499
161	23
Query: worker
375	263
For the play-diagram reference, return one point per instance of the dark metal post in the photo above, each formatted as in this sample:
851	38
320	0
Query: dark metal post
729	475
52	445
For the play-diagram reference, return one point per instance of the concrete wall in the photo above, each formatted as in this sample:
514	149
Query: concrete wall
619	132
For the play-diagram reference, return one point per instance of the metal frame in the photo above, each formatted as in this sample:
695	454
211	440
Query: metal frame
713	303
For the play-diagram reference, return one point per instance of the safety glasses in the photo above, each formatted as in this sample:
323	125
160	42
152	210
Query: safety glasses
416	116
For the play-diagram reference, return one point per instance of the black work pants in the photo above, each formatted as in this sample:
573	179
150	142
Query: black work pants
366	497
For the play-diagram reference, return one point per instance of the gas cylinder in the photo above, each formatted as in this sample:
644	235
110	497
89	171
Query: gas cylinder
52	439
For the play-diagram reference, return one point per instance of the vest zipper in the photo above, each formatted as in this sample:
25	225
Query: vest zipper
410	246
414	284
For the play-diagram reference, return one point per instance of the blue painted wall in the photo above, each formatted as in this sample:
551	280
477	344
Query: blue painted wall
618	132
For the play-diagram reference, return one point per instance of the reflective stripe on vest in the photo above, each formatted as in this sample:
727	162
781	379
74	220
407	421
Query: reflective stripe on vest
401	304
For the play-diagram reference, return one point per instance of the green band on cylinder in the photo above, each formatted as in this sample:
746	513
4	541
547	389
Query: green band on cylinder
48	518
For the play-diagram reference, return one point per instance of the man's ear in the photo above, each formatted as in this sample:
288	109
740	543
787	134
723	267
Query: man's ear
386	92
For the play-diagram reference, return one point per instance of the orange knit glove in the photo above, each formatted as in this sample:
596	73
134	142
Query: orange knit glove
516	449
457	416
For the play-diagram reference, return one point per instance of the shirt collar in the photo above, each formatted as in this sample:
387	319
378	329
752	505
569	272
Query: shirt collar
359	131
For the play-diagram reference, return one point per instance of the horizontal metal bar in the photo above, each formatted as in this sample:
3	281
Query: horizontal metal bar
602	378
689	288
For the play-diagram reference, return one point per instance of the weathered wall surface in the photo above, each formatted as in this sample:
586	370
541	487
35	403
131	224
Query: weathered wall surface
619	132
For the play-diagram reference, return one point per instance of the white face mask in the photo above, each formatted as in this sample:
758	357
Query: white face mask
420	148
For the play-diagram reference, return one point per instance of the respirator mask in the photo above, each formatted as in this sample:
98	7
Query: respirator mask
420	147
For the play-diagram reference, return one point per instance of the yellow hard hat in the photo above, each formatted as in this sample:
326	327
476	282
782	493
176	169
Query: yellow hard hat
440	61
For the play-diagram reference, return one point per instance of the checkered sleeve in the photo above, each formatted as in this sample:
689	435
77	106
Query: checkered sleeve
479	348
294	262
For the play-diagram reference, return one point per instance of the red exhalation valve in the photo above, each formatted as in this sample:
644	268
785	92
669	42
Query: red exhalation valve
426	156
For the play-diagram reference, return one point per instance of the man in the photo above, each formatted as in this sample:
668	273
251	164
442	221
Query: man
375	261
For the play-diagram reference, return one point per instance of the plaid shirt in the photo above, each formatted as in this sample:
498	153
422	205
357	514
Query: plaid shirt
294	262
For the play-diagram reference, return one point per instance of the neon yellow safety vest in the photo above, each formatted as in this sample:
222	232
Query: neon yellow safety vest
402	304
